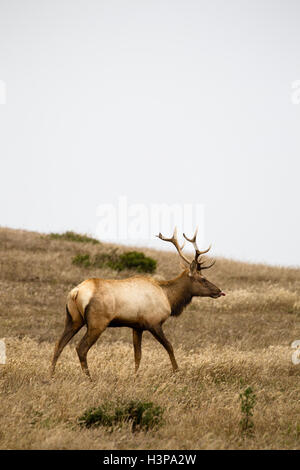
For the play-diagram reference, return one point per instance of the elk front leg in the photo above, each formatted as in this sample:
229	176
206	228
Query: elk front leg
160	336
137	344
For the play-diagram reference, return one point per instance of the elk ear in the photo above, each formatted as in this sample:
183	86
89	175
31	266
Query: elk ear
193	268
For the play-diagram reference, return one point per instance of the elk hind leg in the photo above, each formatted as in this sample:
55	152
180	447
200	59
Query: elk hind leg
71	328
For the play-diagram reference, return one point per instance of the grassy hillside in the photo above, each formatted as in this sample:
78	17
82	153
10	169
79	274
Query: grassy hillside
222	347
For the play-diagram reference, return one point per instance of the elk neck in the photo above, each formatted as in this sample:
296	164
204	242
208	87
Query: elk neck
178	291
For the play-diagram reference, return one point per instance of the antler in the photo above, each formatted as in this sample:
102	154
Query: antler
198	253
206	267
193	241
174	240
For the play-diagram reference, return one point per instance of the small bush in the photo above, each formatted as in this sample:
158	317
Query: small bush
135	260
248	400
97	417
82	260
106	259
142	415
73	237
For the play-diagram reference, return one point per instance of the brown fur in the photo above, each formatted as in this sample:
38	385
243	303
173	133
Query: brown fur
178	294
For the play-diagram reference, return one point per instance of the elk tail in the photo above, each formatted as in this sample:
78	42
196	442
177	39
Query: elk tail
72	308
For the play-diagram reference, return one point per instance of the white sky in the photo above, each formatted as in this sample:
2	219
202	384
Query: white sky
158	101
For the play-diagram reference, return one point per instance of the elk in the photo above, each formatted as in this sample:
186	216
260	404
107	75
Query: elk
140	302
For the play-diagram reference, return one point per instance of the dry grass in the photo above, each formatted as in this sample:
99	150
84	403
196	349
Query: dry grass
222	346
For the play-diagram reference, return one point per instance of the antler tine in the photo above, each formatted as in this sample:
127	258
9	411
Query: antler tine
193	241
198	252
207	267
182	246
174	240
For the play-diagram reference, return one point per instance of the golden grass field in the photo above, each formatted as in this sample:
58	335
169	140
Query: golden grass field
222	346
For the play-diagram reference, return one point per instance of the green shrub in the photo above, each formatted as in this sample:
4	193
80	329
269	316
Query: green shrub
82	260
142	415
110	259
248	400
97	417
73	237
135	260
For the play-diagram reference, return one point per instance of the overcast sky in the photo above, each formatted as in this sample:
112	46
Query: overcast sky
159	102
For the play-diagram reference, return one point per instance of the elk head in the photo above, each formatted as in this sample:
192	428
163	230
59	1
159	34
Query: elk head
198	284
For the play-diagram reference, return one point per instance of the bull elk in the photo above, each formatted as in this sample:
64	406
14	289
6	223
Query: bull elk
139	302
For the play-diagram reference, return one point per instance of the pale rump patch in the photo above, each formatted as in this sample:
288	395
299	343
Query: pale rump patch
74	293
82	295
